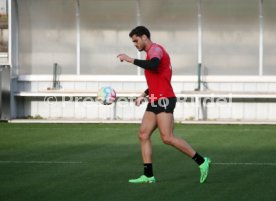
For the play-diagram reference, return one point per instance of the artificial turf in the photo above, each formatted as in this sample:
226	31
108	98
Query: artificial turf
81	162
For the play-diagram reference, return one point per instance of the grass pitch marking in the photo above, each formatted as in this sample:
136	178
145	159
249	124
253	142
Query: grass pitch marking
244	164
42	162
79	162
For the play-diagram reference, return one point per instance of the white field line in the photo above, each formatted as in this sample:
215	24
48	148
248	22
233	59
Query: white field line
244	164
42	162
79	162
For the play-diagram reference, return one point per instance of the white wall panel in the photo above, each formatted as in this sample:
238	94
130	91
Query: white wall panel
269	18
250	111
237	111
230	37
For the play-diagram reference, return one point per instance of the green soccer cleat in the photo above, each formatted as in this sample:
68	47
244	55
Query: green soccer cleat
204	169
143	179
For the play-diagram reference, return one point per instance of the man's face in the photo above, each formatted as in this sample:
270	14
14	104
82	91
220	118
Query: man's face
139	42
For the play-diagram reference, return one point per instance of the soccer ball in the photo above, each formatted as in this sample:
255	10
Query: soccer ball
106	95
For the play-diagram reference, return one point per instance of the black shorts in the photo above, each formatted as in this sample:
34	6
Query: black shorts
162	105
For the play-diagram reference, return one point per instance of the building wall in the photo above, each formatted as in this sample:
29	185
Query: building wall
226	107
237	36
3	7
232	39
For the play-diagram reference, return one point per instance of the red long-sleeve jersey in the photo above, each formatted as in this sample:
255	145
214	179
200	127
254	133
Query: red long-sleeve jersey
159	81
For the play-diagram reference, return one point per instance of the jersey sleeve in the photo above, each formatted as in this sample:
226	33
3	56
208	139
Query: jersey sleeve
155	52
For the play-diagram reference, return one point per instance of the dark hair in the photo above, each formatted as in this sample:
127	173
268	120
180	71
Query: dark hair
140	31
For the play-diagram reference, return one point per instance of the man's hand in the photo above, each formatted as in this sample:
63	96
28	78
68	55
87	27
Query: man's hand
139	100
124	57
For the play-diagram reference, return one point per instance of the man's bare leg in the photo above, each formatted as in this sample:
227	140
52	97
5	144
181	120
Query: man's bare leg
165	123
147	127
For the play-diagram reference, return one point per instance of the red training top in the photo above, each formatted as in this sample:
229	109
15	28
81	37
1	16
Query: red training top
159	82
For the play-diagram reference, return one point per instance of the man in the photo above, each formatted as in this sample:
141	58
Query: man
162	101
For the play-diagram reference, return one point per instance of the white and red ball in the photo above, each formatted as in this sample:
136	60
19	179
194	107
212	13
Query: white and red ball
106	95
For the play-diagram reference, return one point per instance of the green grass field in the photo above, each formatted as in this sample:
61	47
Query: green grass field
81	162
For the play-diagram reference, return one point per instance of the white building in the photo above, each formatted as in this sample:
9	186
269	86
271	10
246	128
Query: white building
3	7
234	42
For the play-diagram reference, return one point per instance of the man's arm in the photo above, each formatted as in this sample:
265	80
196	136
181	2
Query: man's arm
141	98
146	64
146	92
